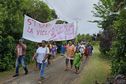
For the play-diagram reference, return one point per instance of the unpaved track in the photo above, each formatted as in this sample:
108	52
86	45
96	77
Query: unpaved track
55	74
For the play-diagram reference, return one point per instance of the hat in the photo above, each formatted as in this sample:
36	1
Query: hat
21	40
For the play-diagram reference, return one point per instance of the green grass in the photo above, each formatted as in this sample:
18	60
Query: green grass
96	69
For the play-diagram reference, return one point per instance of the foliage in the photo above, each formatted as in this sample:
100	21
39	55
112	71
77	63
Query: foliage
7	58
61	22
84	37
113	17
11	25
119	56
104	11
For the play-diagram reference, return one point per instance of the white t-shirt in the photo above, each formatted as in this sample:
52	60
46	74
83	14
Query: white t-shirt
41	53
82	47
48	51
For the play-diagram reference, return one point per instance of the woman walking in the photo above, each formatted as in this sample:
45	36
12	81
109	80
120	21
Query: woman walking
70	55
54	50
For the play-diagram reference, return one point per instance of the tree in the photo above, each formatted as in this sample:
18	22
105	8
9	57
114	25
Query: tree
113	16
119	47
104	11
11	25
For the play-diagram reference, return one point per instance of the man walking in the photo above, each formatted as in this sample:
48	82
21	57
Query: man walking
20	53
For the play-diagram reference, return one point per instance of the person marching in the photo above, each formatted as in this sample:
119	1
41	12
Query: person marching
82	47
70	48
20	52
77	61
90	48
63	49
86	52
54	50
49	53
41	57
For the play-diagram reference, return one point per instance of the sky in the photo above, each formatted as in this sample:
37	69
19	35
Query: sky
76	10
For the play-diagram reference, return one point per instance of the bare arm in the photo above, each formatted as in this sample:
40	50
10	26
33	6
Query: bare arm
74	49
47	52
34	56
24	46
45	57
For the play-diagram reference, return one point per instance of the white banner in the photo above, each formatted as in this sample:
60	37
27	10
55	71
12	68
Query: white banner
37	31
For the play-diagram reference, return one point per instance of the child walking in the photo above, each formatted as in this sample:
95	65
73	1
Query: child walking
77	61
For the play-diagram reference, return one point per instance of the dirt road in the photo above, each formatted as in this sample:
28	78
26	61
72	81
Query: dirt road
55	74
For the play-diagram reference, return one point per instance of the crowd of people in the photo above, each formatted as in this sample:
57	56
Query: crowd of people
77	54
74	54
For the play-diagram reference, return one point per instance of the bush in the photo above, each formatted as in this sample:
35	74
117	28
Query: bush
8	54
11	25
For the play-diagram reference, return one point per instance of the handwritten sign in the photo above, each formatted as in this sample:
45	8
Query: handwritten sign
37	31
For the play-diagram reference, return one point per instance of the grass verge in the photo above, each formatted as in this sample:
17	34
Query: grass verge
97	68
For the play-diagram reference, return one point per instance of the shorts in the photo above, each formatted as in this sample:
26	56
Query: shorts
67	61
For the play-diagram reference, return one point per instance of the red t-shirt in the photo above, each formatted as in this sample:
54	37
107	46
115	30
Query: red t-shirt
86	51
